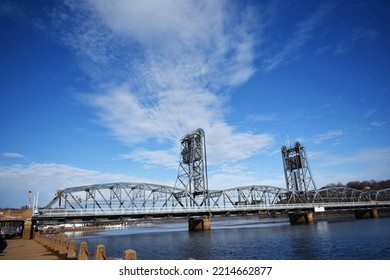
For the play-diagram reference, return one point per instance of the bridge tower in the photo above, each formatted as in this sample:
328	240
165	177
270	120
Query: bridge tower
299	179
296	169
192	173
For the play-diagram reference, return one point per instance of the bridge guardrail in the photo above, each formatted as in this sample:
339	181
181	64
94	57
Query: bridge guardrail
172	211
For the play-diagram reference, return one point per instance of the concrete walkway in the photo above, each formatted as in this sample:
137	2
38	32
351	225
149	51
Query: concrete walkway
20	249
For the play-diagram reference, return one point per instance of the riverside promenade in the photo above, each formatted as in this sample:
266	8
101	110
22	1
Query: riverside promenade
20	249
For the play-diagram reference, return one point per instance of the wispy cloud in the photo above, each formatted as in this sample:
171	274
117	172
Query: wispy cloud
358	35
330	135
262	117
167	158
11	9
47	178
303	32
378	124
368	157
12	155
164	67
370	112
364	164
228	176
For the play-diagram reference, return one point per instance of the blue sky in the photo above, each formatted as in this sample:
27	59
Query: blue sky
102	91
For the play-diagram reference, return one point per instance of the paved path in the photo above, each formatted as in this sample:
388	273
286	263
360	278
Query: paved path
19	249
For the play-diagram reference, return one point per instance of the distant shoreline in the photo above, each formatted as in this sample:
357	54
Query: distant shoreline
324	216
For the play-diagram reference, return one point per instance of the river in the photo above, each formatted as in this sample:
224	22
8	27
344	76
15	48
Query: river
249	239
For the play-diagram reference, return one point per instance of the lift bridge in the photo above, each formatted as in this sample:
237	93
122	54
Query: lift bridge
191	198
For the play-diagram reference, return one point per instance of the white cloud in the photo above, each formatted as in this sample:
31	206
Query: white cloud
362	165
226	176
225	145
12	155
370	112
171	115
369	157
262	117
330	135
47	178
358	35
168	66
378	124
166	158
162	69
187	41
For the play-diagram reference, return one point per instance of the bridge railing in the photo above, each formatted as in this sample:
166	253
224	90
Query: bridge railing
187	211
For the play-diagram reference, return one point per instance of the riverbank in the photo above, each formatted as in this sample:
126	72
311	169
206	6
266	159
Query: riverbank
20	249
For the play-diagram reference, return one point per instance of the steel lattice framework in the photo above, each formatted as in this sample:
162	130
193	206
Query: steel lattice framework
381	195
248	195
192	173
118	196
140	196
143	196
296	169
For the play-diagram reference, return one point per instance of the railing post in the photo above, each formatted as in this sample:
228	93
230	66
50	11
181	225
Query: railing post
100	253
129	255
83	251
52	242
48	240
71	250
64	245
57	243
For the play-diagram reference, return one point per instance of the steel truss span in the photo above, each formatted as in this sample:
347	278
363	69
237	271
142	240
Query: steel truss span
151	197
121	195
248	195
340	194
337	195
136	196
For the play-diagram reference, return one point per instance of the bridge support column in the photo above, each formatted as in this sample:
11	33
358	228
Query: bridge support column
301	218
366	214
27	229
196	224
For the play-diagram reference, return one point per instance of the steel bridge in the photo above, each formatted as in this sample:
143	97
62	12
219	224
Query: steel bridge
191	198
142	200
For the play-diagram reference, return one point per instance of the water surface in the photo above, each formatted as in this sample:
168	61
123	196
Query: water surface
249	239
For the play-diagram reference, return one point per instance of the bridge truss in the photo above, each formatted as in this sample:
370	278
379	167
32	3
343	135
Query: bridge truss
143	200
141	196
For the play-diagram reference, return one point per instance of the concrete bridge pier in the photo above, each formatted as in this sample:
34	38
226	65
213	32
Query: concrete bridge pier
301	218
197	224
27	229
366	213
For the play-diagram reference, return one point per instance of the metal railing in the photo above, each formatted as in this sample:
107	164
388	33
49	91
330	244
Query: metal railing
214	210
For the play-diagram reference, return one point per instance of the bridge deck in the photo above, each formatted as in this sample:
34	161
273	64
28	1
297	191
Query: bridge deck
86	214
